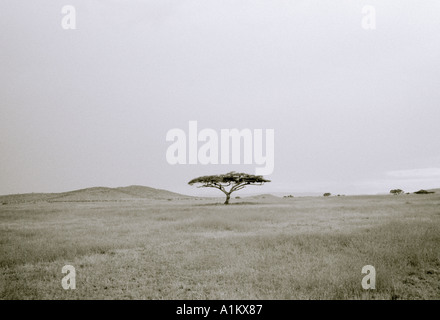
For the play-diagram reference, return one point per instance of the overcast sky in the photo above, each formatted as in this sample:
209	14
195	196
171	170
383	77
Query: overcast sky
354	110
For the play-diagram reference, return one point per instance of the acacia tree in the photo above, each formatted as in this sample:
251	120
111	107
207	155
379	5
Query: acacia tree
236	181
396	191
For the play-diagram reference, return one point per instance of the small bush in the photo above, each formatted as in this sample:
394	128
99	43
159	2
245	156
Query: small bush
423	192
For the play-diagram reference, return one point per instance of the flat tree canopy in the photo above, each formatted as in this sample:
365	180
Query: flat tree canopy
235	180
423	192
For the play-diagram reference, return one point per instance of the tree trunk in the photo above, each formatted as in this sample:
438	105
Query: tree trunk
228	196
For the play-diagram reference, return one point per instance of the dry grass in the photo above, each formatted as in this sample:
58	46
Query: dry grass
301	248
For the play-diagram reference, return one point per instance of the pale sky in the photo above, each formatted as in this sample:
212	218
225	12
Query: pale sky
354	110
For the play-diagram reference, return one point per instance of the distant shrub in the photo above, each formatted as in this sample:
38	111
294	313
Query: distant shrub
237	197
289	196
423	192
396	191
327	194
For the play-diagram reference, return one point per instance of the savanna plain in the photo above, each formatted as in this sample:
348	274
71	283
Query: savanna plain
260	247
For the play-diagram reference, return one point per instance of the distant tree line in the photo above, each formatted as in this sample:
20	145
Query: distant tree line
400	191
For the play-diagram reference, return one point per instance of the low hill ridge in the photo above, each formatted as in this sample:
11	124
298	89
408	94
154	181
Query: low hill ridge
95	194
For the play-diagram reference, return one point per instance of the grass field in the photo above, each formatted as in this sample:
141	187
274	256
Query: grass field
300	248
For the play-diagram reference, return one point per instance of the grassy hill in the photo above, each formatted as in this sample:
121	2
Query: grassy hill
147	192
265	197
95	194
